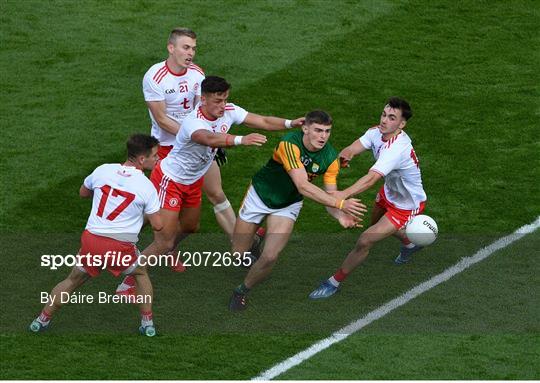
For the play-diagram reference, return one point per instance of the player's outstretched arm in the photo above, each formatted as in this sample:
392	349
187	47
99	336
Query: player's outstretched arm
222	140
351	206
349	152
345	220
84	192
159	111
362	184
257	121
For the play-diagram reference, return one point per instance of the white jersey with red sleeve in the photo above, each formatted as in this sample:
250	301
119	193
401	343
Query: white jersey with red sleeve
188	161
178	90
396	161
122	195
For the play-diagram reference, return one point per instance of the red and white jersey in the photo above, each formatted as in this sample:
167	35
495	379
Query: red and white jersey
396	161
122	195
178	90
188	161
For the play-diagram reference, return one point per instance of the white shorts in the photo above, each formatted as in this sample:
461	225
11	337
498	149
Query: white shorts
254	210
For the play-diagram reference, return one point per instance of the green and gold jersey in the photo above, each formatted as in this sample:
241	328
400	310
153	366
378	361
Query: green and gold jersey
272	183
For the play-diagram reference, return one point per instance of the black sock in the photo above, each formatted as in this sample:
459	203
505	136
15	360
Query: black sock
241	289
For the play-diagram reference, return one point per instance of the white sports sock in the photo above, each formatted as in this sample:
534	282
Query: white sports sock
410	245
333	281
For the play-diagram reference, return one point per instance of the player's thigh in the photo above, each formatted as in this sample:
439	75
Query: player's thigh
189	219
376	213
278	232
212	185
170	226
243	235
382	229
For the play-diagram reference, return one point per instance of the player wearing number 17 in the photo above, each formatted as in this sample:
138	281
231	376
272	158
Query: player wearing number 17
121	197
399	200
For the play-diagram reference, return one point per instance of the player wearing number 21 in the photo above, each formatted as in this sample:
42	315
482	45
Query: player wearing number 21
121	196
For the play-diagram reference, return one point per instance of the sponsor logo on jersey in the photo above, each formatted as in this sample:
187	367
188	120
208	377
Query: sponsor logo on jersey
170	91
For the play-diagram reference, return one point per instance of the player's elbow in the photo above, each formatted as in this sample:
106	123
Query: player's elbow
84	192
372	178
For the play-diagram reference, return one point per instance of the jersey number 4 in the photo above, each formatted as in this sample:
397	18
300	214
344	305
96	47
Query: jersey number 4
106	190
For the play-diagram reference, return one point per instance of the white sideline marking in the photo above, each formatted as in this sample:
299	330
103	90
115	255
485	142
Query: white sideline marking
378	313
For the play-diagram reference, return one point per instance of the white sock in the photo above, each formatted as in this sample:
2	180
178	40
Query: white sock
410	245
333	281
146	319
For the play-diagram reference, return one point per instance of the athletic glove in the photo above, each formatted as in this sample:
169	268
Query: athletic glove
221	157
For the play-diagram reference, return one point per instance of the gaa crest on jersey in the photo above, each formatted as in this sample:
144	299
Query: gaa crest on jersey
223	128
173	202
315	167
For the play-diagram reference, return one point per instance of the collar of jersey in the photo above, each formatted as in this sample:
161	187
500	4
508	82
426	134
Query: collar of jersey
396	136
204	116
175	74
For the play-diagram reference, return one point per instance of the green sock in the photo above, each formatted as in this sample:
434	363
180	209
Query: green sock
242	289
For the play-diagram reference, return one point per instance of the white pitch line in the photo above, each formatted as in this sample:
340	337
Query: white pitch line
378	313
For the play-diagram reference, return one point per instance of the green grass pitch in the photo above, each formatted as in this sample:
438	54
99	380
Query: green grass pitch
70	80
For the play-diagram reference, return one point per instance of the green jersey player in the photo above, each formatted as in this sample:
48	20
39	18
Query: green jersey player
277	191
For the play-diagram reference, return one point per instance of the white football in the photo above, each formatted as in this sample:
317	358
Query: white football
422	230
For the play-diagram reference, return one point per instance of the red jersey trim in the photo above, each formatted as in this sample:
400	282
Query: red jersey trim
160	74
197	68
391	140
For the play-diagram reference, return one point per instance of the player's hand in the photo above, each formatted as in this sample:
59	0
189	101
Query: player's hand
298	122
354	207
221	157
339	194
348	221
255	139
345	156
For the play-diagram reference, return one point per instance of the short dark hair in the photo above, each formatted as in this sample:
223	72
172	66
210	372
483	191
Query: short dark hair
140	144
318	117
401	104
178	32
214	84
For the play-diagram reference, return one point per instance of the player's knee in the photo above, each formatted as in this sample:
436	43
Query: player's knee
77	278
364	242
268	258
190	227
216	196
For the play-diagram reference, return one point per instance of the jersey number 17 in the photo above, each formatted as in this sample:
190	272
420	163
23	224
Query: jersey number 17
106	190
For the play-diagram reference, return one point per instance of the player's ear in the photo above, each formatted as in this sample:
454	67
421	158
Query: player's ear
402	124
170	48
305	129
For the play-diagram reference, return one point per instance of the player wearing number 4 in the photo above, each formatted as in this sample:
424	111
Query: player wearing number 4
399	200
121	197
277	191
180	176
